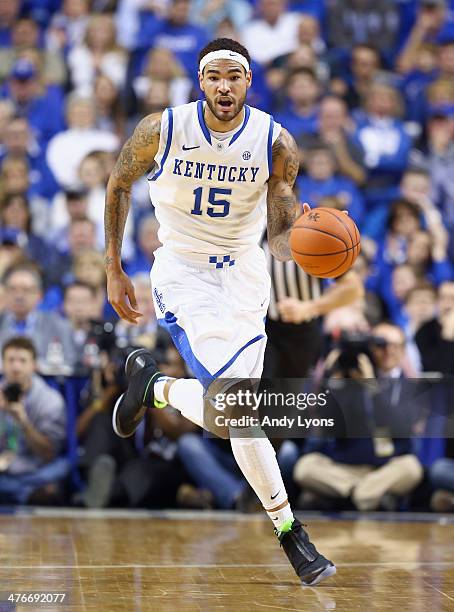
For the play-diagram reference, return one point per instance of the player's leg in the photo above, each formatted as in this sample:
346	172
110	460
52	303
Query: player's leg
148	388
257	460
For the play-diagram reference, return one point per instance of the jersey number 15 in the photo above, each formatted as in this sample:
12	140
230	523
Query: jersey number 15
219	207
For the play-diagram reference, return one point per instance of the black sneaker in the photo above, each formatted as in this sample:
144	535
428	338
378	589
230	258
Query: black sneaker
141	372
310	566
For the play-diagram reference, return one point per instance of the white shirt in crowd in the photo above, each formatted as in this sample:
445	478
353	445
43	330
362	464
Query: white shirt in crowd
265	42
67	149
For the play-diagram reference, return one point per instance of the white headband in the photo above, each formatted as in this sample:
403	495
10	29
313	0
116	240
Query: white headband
223	54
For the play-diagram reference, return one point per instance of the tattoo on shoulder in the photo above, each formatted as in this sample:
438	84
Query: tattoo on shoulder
285	151
135	158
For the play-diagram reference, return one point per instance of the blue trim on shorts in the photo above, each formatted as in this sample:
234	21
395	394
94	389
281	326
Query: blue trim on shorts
270	146
181	341
167	149
247	113
203	125
229	363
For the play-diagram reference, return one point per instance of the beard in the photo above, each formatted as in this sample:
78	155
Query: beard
235	110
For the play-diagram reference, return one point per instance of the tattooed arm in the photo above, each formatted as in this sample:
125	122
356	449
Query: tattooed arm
136	157
281	202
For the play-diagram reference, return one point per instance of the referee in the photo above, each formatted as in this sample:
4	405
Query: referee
293	324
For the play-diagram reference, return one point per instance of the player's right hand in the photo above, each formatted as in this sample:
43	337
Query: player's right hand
120	293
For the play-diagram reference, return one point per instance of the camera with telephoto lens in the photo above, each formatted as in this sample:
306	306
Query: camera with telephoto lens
12	392
351	345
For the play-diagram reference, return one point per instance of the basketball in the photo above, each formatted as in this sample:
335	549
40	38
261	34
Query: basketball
325	242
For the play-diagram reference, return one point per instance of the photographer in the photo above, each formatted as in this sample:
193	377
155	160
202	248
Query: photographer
139	471
371	471
83	307
32	429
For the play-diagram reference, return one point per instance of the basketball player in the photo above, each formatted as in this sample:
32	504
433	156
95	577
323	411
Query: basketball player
217	166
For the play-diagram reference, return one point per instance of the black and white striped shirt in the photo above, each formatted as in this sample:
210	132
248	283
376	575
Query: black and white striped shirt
289	280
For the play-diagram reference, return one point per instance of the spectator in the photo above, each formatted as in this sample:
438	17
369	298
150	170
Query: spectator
373	307
15	179
33	429
99	54
446	59
67	206
139	471
309	34
369	21
433	24
372	470
426	254
176	34
435	339
6	114
322	179
440	475
67	149
25	35
12	244
274	34
50	333
303	91
145	333
67	28
384	140
88	267
81	236
212	467
9	11
31	100
156	99
19	142
84	310
92	178
109	112
420	304
161	65
148	242
211	14
364	67
438	156
335	129
15	216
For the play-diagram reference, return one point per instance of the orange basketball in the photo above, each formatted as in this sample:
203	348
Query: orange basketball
325	242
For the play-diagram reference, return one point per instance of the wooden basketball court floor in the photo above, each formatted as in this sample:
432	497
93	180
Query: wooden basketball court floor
180	561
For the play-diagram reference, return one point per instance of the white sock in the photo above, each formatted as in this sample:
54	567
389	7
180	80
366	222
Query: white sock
158	388
279	517
257	460
186	395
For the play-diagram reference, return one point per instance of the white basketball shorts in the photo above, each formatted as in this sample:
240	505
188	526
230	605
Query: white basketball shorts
214	308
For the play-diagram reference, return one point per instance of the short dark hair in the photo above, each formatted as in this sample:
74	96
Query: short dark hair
25	266
418	170
422	285
218	44
402	203
369	47
305	71
20	342
81	284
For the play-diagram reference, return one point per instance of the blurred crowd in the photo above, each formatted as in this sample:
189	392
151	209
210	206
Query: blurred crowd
366	87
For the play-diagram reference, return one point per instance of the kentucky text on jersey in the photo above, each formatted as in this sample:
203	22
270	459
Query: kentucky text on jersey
215	172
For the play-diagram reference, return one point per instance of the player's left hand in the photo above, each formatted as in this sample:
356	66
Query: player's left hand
296	311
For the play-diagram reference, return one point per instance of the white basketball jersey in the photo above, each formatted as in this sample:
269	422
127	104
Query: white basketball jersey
210	195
